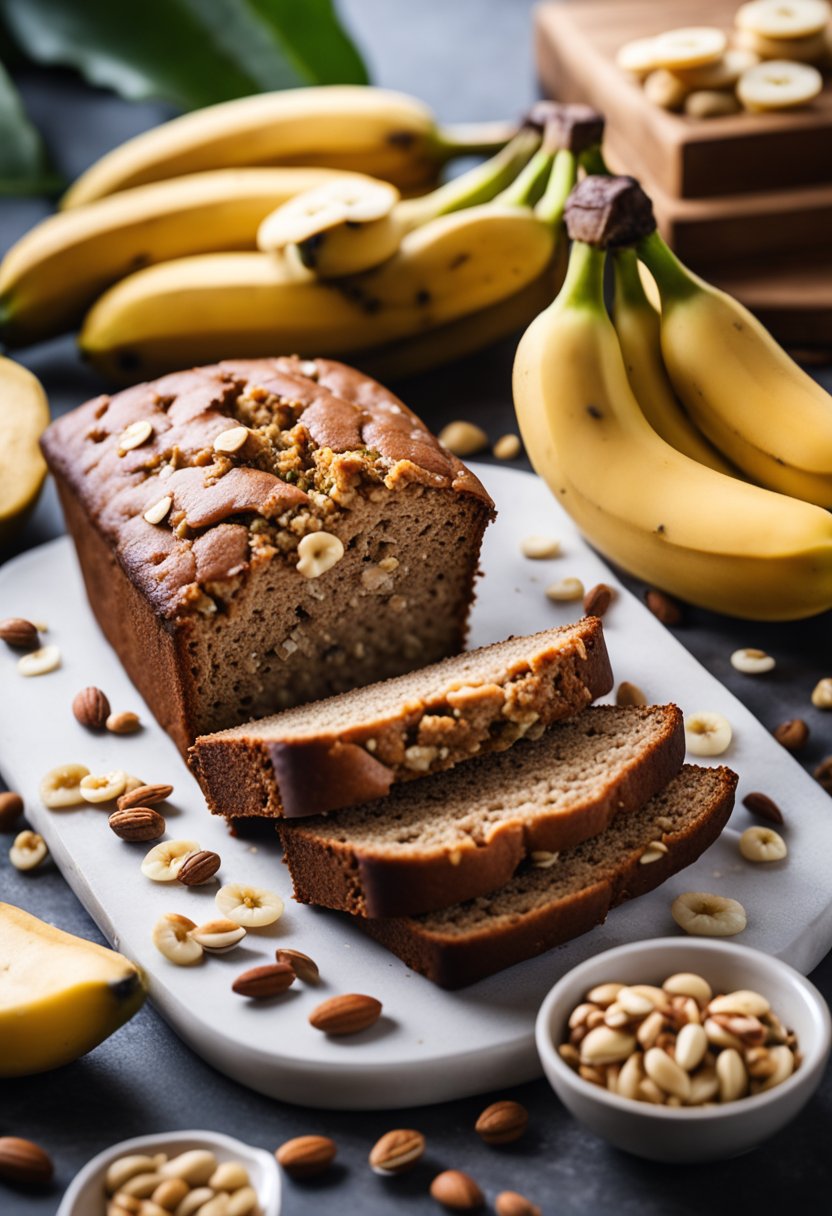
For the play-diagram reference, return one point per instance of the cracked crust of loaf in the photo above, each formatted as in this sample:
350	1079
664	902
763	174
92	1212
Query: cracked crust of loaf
541	909
455	858
206	608
262	773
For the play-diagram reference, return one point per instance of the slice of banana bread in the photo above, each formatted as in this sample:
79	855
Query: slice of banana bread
542	908
262	533
456	835
352	748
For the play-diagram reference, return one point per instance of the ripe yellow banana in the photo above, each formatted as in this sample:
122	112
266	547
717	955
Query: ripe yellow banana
713	540
53	274
365	130
199	309
24	416
762	411
637	325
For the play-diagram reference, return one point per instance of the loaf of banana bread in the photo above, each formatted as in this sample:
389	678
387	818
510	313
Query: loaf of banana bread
258	534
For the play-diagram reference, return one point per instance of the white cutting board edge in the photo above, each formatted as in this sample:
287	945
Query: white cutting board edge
430	1045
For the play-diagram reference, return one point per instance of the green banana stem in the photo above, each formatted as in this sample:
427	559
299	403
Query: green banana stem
674	281
528	185
628	285
593	163
478	185
471	139
583	286
561	181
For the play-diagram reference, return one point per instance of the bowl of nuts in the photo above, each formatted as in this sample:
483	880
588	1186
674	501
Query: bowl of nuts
183	1172
684	1050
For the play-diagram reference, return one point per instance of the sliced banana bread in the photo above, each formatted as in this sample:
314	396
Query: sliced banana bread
350	749
452	836
542	908
262	533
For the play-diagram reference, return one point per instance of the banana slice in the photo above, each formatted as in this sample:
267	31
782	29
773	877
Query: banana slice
172	937
62	786
707	734
164	860
784	18
723	74
251	907
103	787
329	206
778	85
801	50
690	47
218	936
28	851
638	57
705	915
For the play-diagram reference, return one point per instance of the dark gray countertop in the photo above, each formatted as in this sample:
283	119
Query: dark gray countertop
470	59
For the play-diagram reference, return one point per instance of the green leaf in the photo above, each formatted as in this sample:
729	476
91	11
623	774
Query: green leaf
190	52
23	163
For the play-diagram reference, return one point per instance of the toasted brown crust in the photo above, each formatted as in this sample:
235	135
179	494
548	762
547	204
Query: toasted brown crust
272	776
335	874
453	961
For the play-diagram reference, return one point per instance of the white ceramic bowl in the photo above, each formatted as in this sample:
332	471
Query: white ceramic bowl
679	1134
85	1194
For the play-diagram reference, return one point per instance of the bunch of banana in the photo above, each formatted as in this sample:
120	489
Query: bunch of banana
364	130
673	520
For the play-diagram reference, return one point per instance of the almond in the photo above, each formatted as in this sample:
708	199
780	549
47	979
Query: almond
261	982
91	708
306	1156
138	823
598	599
509	1203
793	734
663	607
502	1123
11	808
347	1014
823	774
23	1161
124	723
198	867
20	634
397	1151
457	1191
144	795
304	967
763	807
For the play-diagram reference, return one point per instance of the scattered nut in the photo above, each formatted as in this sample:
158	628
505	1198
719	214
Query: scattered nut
260	983
163	861
711	103
565	590
172	938
457	1191
397	1151
305	968
11	808
629	694
123	723
23	1161
598	599
706	915
231	440
137	823
707	733
510	1203
306	1156
752	662
19	633
134	435
317	553
664	89
763	807
347	1014
62	786
762	844
663	607
655	851
463	438
156	513
91	708
793	735
143	795
502	1123
252	907
104	787
542	859
218	936
540	548
821	693
39	662
198	867
28	851
823	774
507	447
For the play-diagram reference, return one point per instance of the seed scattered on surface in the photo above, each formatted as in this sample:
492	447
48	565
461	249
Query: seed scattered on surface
752	662
39	662
598	599
762	844
565	590
703	914
306	1156
821	693
397	1152
28	851
793	735
663	607
304	967
457	1191
91	708
707	733
18	633
763	807
823	774
540	548
463	438
630	694
507	447
11	808
123	723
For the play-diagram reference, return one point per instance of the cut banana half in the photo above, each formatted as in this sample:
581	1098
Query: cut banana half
164	861
784	18
779	84
704	915
251	907
691	47
723	74
172	937
329	206
638	57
